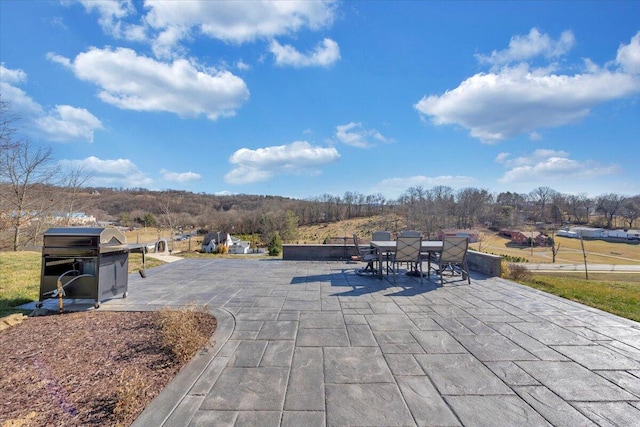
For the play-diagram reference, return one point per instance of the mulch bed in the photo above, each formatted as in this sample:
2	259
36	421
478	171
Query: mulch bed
67	369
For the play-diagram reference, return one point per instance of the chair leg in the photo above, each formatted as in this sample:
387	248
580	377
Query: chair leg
466	270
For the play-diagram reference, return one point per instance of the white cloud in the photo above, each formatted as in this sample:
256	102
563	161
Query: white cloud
109	173
629	56
139	83
394	187
180	177
111	16
235	22
12	77
324	55
261	164
66	123
550	167
500	105
522	48
61	124
353	134
242	66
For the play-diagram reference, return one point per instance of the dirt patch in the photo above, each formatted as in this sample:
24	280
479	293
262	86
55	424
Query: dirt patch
69	369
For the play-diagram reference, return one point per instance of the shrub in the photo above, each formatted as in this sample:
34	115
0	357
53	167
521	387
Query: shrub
180	331
518	273
504	269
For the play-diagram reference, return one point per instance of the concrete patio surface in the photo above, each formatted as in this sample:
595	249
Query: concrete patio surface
314	344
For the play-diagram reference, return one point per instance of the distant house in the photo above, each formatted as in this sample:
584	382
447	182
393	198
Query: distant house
232	244
524	238
212	240
471	235
239	246
74	218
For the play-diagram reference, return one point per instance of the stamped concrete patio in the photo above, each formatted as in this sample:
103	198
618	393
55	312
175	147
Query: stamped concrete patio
313	344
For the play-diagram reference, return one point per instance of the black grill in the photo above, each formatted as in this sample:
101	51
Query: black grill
84	263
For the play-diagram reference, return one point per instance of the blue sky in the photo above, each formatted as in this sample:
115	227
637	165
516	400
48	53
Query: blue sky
301	99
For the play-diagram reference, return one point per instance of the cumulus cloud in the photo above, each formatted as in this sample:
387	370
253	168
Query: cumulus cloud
235	22
112	15
324	55
629	56
133	82
545	166
109	173
522	48
262	164
353	134
62	123
517	98
165	24
180	177
394	187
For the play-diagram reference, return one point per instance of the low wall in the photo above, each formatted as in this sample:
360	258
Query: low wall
330	252
486	263
478	261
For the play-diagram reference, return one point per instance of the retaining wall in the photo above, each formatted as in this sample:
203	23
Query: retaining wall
478	261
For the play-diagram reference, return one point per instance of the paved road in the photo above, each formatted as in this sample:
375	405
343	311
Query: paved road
611	268
313	344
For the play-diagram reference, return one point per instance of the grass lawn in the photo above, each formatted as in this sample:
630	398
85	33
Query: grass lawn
598	251
20	277
615	293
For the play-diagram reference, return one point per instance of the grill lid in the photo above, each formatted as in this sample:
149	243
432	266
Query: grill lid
84	236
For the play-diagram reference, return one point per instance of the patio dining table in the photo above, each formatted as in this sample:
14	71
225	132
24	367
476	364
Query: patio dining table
384	246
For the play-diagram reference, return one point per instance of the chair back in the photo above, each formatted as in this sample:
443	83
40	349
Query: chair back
356	243
381	235
408	249
454	249
410	233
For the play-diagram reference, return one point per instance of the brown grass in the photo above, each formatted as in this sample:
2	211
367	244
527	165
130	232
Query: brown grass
598	251
180	332
131	389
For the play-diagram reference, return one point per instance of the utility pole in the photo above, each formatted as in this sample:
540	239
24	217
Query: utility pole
584	254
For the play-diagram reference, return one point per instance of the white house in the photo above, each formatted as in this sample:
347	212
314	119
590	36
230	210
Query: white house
239	246
211	241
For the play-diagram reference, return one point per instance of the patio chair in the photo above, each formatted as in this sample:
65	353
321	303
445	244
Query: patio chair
453	258
370	256
381	235
384	236
407	250
410	233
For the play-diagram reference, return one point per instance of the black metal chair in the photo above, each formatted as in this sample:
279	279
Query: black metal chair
370	256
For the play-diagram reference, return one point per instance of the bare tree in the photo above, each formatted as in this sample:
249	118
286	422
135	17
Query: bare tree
630	212
72	185
168	205
542	196
609	205
24	170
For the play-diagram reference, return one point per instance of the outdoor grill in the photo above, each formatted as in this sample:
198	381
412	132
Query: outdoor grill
84	263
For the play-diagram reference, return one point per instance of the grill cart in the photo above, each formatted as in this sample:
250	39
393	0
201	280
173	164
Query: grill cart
84	263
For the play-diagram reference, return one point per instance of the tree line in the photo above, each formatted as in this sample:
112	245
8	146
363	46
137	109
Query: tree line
35	194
